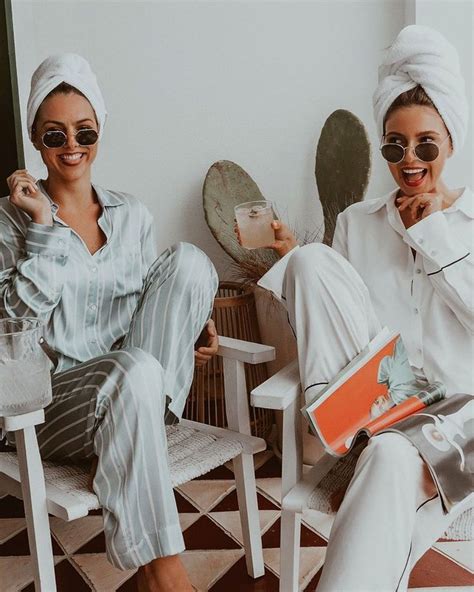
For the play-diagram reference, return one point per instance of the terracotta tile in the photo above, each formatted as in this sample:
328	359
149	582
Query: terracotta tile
230	503
221	472
272	468
101	575
68	579
310	562
95	545
308	538
18	545
237	579
183	504
311	587
271	487
434	569
206	494
73	535
207	567
461	552
11	507
230	522
130	585
185	520
205	534
10	527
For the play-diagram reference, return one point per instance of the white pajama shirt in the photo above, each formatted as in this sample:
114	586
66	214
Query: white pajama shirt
390	514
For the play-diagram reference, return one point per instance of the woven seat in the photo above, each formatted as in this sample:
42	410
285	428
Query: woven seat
192	453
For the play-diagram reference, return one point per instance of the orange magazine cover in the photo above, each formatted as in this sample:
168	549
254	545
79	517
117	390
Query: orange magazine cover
377	389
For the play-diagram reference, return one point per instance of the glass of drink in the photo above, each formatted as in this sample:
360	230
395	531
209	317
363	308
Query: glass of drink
254	219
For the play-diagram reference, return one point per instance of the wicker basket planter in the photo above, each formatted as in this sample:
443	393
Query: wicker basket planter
235	316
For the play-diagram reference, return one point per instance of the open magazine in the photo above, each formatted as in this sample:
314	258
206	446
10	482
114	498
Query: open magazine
378	392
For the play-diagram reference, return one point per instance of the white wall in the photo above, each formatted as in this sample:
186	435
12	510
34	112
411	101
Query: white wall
455	20
189	83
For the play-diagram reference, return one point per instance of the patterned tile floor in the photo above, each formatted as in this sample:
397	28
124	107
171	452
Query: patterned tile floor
214	557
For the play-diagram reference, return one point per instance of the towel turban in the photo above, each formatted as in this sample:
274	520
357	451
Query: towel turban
422	56
75	71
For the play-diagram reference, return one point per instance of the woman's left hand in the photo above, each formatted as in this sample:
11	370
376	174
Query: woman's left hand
204	353
421	205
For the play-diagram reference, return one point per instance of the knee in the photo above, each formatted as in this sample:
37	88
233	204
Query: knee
391	453
135	361
308	261
192	266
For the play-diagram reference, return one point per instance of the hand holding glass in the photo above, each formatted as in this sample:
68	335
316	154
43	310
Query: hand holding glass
254	220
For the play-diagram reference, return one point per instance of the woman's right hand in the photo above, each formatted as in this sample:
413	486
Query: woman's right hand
284	238
24	194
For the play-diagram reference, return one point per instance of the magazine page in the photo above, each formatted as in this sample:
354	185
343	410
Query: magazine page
381	379
444	437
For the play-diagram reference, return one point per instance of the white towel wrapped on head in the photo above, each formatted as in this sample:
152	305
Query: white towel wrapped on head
422	56
75	71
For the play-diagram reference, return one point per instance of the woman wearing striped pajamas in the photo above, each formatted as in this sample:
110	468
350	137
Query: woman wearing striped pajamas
122	321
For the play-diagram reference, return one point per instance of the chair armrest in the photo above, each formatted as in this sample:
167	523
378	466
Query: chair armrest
12	423
279	391
245	351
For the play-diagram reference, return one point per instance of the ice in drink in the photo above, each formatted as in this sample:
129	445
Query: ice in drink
254	219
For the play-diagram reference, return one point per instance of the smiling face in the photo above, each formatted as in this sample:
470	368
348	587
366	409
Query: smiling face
409	126
69	113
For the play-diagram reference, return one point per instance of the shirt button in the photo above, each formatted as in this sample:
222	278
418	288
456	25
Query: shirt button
420	241
60	241
92	306
93	341
416	311
418	270
94	269
419	350
433	253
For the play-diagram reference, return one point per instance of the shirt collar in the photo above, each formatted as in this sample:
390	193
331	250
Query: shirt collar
106	198
464	203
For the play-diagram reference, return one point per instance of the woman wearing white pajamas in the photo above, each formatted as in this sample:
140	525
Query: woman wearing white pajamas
403	261
122	321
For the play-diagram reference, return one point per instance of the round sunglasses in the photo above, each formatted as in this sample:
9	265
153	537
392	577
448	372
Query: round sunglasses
58	138
424	151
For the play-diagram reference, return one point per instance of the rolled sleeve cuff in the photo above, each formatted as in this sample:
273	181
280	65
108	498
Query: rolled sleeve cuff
273	279
433	239
51	241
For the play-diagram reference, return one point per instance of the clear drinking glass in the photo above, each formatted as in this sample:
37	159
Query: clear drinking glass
25	378
254	219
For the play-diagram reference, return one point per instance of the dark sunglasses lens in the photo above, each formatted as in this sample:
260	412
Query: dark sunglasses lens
87	137
54	139
392	152
426	151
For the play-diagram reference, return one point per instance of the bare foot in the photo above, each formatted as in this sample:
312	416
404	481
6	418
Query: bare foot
164	574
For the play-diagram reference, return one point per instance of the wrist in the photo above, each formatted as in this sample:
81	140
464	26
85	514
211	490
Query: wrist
45	218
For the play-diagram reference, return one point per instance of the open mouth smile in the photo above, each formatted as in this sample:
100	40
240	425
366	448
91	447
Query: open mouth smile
413	176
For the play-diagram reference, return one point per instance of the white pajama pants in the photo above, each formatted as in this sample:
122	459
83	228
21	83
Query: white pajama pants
391	514
114	406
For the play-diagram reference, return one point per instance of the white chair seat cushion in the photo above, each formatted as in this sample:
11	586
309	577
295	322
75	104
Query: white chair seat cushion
340	475
192	453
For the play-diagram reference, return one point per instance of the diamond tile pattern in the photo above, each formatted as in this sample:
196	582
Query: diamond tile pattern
214	557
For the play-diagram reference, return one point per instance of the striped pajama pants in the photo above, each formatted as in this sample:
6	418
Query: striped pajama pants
115	405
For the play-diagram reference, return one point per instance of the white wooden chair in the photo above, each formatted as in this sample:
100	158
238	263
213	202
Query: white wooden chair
283	392
194	449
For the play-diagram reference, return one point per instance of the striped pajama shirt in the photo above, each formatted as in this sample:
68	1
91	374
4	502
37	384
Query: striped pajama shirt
123	324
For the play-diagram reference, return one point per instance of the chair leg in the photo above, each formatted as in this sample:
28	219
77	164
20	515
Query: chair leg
244	472
289	550
36	513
